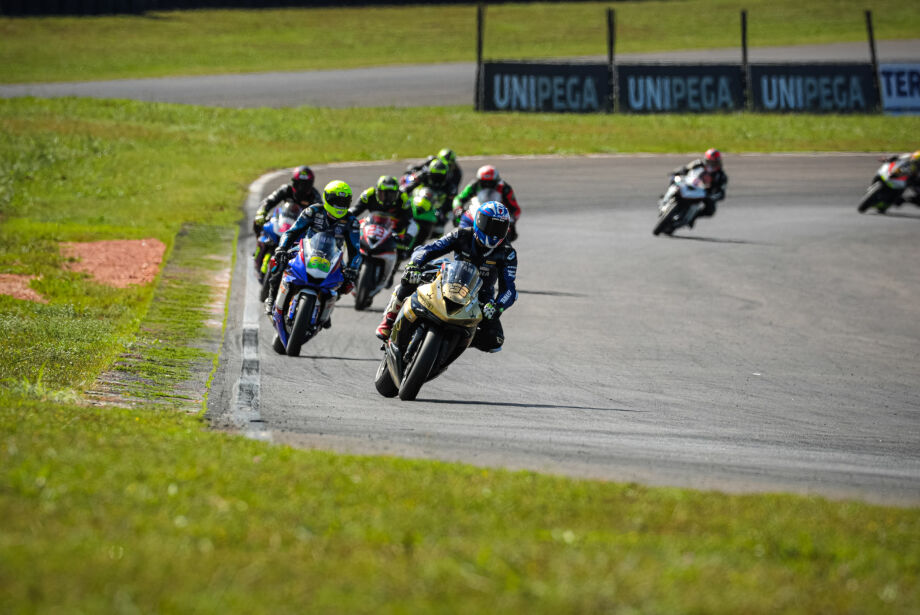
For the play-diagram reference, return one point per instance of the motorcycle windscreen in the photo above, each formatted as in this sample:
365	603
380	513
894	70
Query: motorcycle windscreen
460	282
321	255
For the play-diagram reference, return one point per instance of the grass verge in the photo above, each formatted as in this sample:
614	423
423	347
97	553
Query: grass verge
227	41
143	509
116	511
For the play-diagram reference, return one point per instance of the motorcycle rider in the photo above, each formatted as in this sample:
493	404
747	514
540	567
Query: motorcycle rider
488	178
434	177
330	215
385	197
482	245
301	191
907	164
712	163
454	172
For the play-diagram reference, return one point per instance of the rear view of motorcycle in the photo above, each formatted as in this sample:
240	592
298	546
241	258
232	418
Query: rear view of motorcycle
435	325
378	247
682	201
308	292
887	188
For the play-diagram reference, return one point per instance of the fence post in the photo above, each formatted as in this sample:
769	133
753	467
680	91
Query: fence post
480	18
745	67
875	80
611	65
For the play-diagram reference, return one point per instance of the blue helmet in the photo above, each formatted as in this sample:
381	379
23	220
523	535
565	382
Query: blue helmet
490	224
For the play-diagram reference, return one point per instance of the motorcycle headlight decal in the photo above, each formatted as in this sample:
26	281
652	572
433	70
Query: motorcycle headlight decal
319	264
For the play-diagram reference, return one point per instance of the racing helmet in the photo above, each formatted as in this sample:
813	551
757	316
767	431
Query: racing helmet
915	157
448	156
302	180
423	201
712	160
437	172
488	176
387	190
337	198
490	224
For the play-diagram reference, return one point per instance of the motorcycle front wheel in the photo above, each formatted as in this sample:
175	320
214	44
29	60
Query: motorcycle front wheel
383	381
665	222
367	281
873	197
301	324
421	365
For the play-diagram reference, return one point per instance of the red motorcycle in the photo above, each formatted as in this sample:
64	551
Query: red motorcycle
378	247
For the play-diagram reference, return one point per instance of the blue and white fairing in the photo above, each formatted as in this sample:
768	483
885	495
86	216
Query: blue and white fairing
317	268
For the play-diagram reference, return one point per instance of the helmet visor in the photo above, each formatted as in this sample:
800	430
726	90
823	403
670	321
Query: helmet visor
493	227
387	197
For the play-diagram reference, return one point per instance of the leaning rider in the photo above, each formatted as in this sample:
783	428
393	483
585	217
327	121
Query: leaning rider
907	164
454	172
488	178
331	215
301	191
712	163
385	198
483	245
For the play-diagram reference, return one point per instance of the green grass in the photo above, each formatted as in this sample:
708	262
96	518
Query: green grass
111	510
225	41
125	511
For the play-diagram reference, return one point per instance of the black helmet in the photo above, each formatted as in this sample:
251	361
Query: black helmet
302	182
387	190
437	171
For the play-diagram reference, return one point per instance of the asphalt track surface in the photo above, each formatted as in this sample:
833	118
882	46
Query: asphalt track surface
772	348
402	86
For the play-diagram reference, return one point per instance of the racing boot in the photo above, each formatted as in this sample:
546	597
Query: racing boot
389	317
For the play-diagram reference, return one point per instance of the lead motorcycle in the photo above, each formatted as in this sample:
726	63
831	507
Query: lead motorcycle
886	189
308	292
378	247
682	201
434	326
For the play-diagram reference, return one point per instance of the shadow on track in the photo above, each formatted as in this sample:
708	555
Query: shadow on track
551	293
470	402
716	240
900	215
321	358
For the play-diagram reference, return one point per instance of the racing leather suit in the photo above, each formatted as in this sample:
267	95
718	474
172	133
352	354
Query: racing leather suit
282	194
406	228
496	266
716	191
454	175
503	188
904	165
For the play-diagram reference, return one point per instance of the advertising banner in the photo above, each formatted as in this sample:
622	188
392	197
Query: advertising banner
680	88
900	85
814	88
558	88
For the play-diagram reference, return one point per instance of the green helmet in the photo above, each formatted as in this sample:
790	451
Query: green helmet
448	156
337	198
387	190
423	207
437	172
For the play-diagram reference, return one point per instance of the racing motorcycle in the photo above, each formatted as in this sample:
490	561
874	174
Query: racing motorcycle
282	218
378	247
427	206
464	214
682	201
886	189
308	292
434	326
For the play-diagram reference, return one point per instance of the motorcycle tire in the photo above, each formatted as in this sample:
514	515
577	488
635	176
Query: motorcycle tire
873	196
257	259
277	346
383	381
301	325
265	288
365	286
422	365
665	224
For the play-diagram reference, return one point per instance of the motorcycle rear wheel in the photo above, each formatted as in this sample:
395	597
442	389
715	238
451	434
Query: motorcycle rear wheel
422	365
383	382
301	324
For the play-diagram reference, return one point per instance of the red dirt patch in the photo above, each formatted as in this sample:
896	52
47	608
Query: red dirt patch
17	286
117	262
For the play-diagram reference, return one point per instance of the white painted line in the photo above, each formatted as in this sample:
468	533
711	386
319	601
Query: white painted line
245	412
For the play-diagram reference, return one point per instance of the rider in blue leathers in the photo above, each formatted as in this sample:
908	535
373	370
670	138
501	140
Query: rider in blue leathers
330	215
483	245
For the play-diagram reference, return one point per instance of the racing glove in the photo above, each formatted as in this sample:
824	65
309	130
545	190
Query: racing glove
412	274
490	310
